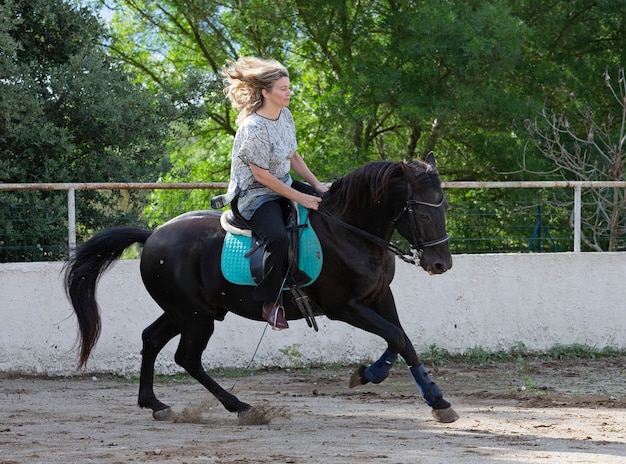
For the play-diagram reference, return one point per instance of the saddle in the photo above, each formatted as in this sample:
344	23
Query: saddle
242	257
242	253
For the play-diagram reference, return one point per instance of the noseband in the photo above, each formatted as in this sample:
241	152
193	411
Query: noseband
409	210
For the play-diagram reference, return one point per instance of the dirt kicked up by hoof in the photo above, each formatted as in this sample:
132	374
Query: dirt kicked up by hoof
261	415
445	415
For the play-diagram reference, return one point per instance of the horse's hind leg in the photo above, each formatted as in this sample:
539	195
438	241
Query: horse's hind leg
193	341
155	337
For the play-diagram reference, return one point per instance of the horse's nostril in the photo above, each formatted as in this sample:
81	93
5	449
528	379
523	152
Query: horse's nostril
440	268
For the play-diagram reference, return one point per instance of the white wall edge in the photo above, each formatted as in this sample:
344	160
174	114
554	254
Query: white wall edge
490	301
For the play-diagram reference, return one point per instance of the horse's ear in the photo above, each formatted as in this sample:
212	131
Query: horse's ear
430	159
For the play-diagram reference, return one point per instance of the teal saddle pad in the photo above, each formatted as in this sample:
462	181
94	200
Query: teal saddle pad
236	267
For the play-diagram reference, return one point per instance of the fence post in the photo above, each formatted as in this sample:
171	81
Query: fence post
71	219
577	217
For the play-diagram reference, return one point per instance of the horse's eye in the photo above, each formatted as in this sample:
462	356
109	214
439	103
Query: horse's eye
424	217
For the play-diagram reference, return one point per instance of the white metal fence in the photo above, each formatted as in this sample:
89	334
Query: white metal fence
71	188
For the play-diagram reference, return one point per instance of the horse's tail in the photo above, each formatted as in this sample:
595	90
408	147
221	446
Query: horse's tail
82	273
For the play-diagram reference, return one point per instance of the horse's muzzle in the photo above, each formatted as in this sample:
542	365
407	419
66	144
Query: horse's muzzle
437	265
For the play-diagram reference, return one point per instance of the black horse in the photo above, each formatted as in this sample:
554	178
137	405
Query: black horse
180	267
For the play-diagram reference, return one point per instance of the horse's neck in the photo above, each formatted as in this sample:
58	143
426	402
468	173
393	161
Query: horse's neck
373	221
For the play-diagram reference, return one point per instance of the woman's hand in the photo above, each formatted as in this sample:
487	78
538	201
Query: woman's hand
309	201
320	188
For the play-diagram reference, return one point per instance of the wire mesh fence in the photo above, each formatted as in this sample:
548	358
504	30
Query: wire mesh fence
504	220
35	224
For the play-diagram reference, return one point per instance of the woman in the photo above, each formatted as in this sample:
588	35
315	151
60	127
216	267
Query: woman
264	153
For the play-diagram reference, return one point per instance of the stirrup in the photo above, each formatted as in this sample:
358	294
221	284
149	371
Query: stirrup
274	315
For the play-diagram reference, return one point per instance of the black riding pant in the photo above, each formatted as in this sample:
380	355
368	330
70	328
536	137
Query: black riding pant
268	222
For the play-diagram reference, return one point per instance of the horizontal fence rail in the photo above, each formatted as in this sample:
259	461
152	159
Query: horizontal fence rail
71	188
577	186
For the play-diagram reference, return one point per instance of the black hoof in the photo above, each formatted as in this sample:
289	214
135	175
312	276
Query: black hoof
243	409
358	377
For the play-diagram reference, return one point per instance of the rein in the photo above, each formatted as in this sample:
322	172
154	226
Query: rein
396	250
406	256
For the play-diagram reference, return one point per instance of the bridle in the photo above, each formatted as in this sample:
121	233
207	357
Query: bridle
407	256
409	210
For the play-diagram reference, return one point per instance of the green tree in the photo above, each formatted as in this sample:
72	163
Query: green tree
372	80
390	79
179	47
414	77
68	113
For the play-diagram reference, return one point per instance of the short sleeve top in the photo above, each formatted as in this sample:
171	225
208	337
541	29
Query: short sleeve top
268	144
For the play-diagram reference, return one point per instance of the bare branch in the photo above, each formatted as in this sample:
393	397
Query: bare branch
588	147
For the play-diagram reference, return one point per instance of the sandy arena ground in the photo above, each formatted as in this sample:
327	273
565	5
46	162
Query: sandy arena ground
521	412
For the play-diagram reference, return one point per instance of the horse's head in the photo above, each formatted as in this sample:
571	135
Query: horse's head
384	195
422	221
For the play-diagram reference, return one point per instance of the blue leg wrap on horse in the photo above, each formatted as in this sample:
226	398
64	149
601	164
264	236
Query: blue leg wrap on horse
427	388
379	370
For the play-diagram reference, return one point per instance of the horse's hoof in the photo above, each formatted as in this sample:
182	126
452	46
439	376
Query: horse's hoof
445	415
163	415
358	377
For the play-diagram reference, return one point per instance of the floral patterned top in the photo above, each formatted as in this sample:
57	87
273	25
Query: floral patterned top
268	144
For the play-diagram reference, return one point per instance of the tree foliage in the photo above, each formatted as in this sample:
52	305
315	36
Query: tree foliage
373	80
390	79
68	113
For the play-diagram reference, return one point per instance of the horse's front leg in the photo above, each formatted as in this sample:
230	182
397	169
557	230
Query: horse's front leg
386	324
441	410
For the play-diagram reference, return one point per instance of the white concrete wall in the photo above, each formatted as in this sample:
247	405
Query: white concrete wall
488	301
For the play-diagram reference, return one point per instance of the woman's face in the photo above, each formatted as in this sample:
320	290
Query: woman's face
280	93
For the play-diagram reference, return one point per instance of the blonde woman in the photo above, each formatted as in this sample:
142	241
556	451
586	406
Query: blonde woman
264	153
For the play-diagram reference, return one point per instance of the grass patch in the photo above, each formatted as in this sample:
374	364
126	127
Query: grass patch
578	351
436	356
231	372
433	357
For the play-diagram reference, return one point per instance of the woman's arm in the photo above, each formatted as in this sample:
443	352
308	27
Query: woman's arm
300	167
264	177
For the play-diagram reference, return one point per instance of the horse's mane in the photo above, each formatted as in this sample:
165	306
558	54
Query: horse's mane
368	184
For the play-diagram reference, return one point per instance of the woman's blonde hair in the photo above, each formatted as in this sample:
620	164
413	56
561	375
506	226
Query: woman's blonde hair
246	77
